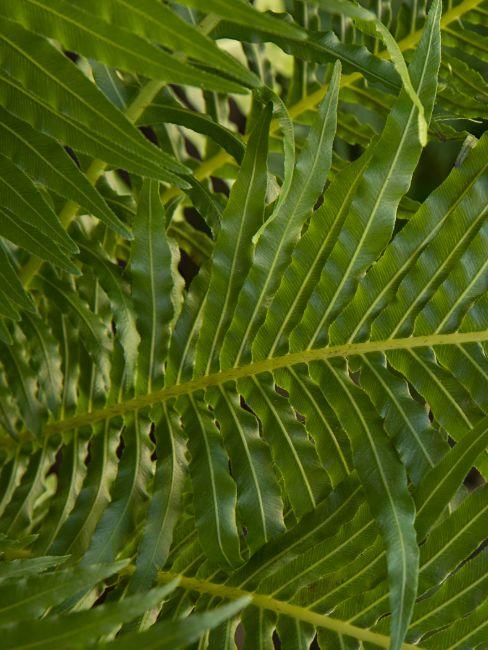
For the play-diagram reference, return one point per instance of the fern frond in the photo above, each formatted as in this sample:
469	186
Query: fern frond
243	324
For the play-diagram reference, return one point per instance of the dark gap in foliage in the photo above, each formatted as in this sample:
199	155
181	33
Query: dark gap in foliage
152	433
58	459
120	447
152	438
125	177
195	219
479	127
244	405
72	155
187	268
72	56
474	479
148	132
476	552
399	225
480	548
220	186
281	391
282	80
237	117
88	453
436	161
191	150
181	94
103	596
320	200
355	151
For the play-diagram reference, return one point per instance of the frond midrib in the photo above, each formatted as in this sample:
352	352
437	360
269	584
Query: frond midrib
252	369
296	612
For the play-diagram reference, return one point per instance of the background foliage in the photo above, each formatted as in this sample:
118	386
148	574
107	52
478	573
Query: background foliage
243	324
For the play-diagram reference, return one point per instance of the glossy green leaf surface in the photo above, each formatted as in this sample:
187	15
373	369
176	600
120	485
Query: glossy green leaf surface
243	324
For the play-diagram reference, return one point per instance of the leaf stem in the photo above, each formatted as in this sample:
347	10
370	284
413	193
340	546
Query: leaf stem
280	607
252	369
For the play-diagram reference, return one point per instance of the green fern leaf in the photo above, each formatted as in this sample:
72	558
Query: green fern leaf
243	324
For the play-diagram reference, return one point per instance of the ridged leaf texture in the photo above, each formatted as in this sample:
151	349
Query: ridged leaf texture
243	324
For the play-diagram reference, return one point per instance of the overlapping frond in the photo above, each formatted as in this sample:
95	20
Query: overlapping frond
273	397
